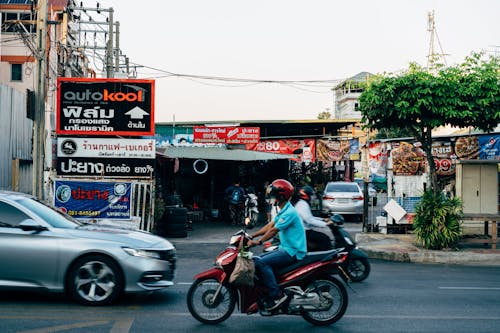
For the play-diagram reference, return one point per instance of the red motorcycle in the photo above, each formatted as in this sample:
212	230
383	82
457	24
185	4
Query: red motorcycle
312	291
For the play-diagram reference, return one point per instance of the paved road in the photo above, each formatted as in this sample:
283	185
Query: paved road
397	297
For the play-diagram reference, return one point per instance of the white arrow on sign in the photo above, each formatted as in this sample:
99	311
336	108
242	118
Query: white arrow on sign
136	113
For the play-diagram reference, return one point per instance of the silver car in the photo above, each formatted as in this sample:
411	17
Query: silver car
41	247
344	198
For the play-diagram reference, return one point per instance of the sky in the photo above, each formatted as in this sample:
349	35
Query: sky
285	40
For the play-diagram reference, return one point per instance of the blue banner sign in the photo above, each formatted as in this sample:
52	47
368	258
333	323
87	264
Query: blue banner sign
489	147
93	200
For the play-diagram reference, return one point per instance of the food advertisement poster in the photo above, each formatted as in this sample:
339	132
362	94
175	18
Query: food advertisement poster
305	146
93	200
378	156
408	159
444	157
330	151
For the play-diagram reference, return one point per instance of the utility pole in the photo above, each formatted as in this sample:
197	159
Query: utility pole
109	49
39	115
432	56
117	47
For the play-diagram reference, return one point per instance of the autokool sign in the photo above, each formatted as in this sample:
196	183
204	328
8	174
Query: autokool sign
93	200
105	107
106	148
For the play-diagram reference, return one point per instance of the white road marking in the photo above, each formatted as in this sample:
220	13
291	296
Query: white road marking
470	288
66	327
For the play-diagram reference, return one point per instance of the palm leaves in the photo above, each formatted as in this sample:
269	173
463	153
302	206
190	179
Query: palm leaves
437	221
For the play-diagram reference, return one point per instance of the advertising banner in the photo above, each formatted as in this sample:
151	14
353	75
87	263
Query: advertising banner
444	157
307	146
490	147
105	167
227	135
407	159
337	150
105	107
93	200
106	148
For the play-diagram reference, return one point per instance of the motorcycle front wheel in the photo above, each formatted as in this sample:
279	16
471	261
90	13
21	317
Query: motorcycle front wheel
333	296
204	307
358	269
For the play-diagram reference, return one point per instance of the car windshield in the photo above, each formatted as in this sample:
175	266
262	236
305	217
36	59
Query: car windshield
342	187
50	215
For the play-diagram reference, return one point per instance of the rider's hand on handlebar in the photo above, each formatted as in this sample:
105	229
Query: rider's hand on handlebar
252	242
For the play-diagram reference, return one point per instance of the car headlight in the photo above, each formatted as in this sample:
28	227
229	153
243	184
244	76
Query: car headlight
141	253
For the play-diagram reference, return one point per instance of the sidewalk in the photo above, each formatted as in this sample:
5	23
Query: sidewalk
377	246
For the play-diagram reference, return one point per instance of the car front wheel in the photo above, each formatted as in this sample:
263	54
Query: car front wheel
95	280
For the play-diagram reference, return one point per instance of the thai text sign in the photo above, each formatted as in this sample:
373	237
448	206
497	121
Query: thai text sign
105	167
105	107
106	148
93	200
227	135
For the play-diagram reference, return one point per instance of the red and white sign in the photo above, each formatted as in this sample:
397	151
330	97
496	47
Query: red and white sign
228	135
307	146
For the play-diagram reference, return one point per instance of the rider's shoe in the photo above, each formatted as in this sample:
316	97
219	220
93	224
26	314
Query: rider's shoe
276	303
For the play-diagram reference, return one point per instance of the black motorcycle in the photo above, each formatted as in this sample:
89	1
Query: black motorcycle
357	265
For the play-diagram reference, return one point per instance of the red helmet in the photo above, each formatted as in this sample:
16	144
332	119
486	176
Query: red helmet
281	189
306	193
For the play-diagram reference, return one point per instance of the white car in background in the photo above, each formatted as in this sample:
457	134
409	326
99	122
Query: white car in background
345	198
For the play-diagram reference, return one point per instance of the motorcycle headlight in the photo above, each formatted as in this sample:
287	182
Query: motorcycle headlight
348	241
141	253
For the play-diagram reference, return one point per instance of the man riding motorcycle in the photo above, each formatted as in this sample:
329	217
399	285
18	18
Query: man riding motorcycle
292	241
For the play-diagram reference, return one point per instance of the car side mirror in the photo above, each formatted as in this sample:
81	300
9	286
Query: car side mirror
31	225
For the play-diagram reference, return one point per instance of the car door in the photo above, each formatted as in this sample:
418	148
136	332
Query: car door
27	258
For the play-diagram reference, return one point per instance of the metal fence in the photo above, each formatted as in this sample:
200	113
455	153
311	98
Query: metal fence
16	135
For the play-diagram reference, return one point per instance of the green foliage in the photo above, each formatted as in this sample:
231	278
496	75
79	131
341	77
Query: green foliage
324	115
418	101
437	221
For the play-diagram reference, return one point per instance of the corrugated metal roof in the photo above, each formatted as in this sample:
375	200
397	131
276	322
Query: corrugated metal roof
217	153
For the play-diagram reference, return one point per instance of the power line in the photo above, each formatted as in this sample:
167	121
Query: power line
169	74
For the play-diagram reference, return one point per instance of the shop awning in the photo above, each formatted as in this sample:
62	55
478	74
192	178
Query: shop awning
218	153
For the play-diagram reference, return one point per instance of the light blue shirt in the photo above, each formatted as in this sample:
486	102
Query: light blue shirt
291	231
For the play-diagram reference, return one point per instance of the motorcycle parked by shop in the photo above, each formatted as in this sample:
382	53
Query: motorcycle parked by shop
251	210
312	291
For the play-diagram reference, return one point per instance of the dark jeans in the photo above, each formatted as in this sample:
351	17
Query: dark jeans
267	264
236	213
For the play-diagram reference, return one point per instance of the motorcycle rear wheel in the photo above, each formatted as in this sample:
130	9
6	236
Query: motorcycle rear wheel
358	269
202	306
337	292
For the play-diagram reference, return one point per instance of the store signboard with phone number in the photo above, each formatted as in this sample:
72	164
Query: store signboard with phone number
93	200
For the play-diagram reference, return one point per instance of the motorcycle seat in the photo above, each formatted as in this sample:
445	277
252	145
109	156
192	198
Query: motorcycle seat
309	258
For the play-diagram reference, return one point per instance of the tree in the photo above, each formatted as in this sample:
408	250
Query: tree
465	95
324	115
